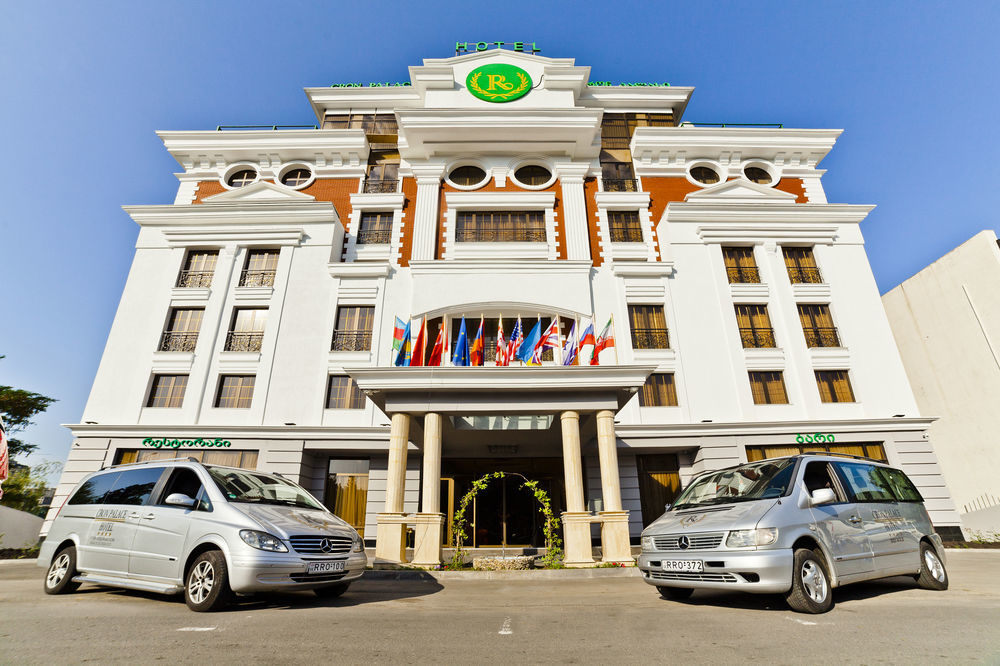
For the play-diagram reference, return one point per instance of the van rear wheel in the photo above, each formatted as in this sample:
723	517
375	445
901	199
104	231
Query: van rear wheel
811	592
206	587
933	575
59	577
675	593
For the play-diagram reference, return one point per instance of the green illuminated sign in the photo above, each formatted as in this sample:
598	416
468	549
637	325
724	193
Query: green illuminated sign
634	84
186	443
498	82
816	438
471	47
374	84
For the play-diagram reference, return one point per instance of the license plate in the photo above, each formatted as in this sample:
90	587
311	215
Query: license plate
693	566
325	567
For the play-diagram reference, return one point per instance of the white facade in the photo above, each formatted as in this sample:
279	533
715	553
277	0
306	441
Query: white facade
576	269
946	321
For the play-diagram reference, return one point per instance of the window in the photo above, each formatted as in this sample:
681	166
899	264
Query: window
755	326
659	391
182	329
624	226
228	458
383	171
260	268
705	175
757	175
186	482
354	328
532	175
618	176
649	327
817	326
376	126
94	490
834	386
768	388
467	176
296	177
659	484
235	391
199	266
134	486
740	265
167	391
801	265
902	488
347	491
343	393
500	227
247	332
242	178
866	482
867	449
375	228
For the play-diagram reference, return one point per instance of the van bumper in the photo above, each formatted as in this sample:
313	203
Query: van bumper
267	572
761	571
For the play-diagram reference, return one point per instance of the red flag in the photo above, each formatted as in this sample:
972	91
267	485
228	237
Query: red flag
502	359
438	351
604	341
478	346
4	461
420	344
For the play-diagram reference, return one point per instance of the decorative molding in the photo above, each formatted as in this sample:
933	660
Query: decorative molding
748	293
172	362
189	295
752	428
359	270
242	214
252	294
657	269
243	236
500	266
740	190
767	358
259	192
377	202
515	200
810	291
830	358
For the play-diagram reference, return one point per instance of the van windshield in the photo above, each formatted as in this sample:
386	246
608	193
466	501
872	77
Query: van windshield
753	481
244	486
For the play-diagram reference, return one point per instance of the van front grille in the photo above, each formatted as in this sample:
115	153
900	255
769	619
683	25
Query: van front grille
313	544
699	577
698	541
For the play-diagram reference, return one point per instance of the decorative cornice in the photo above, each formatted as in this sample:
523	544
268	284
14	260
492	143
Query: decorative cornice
201	150
230	432
737	428
359	270
241	213
545	266
493	200
490	379
182	237
723	212
785	147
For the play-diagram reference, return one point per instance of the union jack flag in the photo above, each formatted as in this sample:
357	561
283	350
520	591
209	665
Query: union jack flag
550	338
4	460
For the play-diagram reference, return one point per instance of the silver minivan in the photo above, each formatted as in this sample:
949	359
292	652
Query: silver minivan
209	531
799	526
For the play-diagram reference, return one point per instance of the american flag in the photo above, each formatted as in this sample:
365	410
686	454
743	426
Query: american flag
502	358
516	339
4	461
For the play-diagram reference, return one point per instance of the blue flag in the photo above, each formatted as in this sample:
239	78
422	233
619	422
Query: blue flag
461	355
403	357
530	341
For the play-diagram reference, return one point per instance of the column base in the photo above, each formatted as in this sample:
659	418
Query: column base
576	539
428	532
615	545
390	541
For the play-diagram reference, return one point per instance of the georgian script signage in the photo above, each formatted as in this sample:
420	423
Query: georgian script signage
167	443
814	438
498	82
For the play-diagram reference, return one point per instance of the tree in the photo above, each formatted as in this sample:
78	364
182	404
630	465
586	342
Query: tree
17	406
25	487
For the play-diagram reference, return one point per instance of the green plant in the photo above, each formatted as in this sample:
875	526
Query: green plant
985	537
553	544
24	489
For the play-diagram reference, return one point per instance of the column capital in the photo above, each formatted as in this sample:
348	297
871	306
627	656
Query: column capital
571	173
427	174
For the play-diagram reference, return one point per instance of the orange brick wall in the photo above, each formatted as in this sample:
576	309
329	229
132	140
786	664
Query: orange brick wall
409	202
590	203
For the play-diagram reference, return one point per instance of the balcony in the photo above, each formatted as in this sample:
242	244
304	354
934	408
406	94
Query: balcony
650	338
351	341
385	186
252	278
178	341
244	341
500	235
741	275
757	338
821	337
621	184
799	275
192	279
376	236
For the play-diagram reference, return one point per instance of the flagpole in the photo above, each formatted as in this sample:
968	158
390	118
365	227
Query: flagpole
613	335
559	344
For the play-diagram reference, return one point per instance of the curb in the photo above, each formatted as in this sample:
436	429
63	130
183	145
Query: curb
521	576
33	560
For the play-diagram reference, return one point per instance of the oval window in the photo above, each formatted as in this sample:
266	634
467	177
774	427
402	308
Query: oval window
533	175
242	178
296	177
757	175
467	176
705	175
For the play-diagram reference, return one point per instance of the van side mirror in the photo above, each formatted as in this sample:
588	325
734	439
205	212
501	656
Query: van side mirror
822	496
179	499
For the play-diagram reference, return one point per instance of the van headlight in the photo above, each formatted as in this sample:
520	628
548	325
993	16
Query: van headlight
647	543
263	541
359	543
760	537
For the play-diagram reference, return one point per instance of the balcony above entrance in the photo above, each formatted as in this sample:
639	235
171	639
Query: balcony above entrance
487	390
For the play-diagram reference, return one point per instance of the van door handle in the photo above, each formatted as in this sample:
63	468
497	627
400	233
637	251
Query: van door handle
149	516
854	519
134	514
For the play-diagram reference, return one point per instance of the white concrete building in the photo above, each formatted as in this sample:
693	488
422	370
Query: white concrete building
501	185
946	321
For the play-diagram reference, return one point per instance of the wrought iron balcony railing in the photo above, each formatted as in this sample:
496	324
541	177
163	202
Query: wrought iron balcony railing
740	275
625	233
244	341
377	236
351	341
195	279
650	338
493	235
821	337
178	341
757	337
385	186
621	184
804	275
249	278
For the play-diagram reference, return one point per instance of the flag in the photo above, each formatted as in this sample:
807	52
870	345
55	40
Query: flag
502	358
527	347
438	351
403	357
549	340
516	339
397	334
585	349
461	355
604	341
420	344
478	349
4	460
570	348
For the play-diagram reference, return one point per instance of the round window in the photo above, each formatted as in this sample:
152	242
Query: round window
242	178
757	175
467	175
296	177
705	175
533	175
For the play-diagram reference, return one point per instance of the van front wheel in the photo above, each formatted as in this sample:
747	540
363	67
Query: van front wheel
59	577
206	587
810	591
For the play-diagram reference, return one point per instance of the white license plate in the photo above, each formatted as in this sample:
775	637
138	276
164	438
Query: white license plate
693	566
325	567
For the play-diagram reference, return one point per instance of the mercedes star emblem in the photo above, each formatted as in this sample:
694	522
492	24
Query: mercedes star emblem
326	546
684	543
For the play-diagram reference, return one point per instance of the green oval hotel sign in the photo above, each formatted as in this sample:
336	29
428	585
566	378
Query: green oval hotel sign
498	82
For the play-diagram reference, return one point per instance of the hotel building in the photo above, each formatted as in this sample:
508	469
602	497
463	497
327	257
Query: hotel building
256	325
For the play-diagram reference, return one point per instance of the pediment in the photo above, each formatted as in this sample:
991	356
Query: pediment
260	191
740	190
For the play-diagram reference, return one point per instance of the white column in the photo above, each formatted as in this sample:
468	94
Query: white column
576	520
614	521
426	214
429	526
574	210
390	541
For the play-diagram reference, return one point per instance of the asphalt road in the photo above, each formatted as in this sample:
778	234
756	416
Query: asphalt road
565	620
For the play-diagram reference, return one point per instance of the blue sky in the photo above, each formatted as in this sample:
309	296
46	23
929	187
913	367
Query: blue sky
86	85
